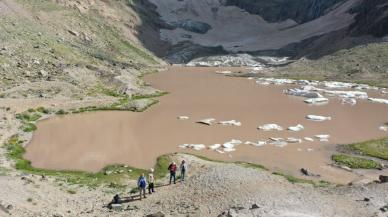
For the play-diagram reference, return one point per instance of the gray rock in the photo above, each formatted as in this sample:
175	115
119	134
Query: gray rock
255	206
116	207
73	32
158	214
193	26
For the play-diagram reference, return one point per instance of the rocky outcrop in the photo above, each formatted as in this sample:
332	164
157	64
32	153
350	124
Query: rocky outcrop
371	18
192	26
274	11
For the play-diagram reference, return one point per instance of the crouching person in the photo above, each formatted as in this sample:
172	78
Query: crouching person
142	184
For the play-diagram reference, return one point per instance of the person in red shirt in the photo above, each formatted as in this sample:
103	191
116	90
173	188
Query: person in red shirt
172	169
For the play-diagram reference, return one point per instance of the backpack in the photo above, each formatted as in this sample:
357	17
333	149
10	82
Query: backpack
142	183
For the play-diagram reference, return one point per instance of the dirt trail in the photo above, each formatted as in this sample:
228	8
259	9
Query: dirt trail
137	139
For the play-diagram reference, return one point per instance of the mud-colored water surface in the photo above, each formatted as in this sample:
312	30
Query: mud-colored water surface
90	141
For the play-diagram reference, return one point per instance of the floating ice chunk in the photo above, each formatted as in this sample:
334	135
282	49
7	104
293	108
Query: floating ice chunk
219	151
323	138
224	72
275	139
229	149
383	101
306	91
278	142
269	127
337	85
296	128
183	146
384	128
215	146
350	101
258	144
309	139
316	100
293	140
384	91
310	149
183	118
208	121
196	147
347	94
299	149
257	68
231	144
318	118
230	123
266	81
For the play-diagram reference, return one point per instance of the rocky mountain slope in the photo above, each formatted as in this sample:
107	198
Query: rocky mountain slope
71	49
311	28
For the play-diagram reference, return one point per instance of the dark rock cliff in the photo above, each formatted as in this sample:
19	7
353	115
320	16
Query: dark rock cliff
278	10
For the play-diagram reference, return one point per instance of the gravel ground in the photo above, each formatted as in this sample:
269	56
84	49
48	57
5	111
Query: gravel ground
210	190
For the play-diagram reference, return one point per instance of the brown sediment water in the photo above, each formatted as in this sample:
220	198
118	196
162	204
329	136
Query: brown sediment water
90	141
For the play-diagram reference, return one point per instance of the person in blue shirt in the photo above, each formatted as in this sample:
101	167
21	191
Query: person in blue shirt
142	184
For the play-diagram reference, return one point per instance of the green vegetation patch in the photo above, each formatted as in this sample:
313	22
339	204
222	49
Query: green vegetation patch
375	148
113	176
295	180
29	127
355	162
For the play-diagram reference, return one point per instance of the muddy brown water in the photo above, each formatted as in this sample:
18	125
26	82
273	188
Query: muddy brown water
90	141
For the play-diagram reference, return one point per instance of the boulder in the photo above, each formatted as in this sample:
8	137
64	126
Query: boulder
116	207
383	179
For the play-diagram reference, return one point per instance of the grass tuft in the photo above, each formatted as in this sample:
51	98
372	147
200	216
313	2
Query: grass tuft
375	148
355	162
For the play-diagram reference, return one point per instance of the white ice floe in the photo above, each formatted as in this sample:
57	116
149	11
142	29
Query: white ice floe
183	118
310	149
207	121
383	101
384	128
215	146
318	118
224	72
230	146
230	123
309	139
323	138
257	68
293	140
219	151
229	149
305	91
256	144
269	127
278	142
350	101
275	81
196	147
384	91
346	94
316	100
296	128
337	85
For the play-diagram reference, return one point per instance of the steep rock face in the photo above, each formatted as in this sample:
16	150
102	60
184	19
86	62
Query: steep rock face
371	18
300	11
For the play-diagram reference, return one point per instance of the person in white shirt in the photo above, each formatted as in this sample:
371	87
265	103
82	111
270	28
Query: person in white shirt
151	180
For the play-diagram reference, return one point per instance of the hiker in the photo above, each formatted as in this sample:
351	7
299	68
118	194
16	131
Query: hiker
183	168
151	179
142	184
172	169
